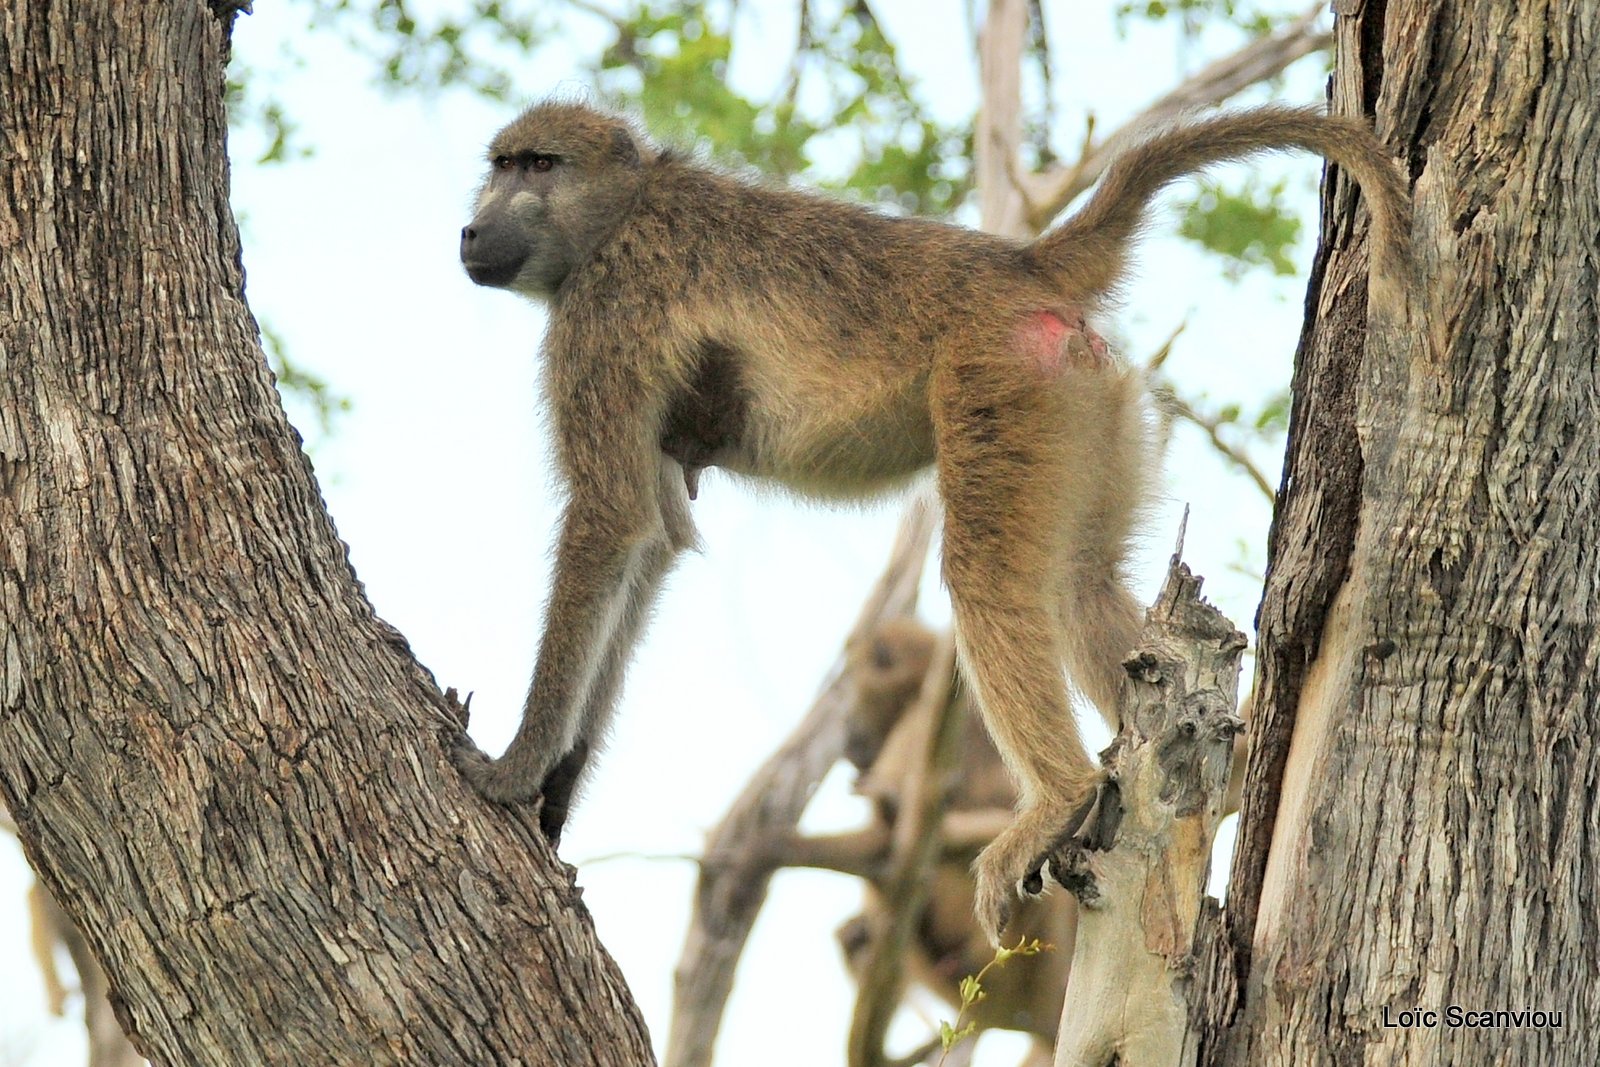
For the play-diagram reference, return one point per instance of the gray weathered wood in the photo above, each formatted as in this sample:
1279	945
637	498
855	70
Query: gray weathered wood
1141	882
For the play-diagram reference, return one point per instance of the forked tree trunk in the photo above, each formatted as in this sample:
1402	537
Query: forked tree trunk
1422	817
224	766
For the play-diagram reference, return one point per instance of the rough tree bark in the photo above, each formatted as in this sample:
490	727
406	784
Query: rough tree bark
222	764
1421	823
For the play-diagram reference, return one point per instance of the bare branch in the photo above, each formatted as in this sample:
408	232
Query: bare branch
863	853
916	846
1168	400
918	1055
1002	204
739	857
791	89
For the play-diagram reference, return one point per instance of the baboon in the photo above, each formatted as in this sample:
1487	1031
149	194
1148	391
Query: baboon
885	742
886	666
700	320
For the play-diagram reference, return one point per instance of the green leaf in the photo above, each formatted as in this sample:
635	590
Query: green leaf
1248	227
950	1037
844	84
1273	418
1195	15
300	385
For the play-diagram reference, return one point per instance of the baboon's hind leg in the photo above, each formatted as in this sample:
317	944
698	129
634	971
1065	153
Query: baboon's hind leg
1024	495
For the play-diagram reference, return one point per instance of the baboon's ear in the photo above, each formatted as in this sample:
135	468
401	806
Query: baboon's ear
623	150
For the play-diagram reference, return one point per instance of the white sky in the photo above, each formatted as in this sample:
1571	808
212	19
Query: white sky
439	483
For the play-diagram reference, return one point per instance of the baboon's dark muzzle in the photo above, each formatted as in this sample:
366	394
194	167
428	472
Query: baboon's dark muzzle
491	255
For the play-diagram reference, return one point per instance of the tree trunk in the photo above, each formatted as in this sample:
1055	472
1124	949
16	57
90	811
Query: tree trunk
228	771
1422	820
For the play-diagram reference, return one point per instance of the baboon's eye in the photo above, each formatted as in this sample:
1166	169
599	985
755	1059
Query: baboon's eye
503	162
541	163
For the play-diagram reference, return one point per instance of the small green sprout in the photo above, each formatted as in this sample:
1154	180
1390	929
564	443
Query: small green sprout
952	1034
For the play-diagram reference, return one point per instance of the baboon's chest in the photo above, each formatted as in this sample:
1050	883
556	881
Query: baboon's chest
707	420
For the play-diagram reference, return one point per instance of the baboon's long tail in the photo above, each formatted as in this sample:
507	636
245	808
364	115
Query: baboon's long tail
1089	251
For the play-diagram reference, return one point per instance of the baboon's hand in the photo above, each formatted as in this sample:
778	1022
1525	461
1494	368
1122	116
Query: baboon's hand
1010	867
494	779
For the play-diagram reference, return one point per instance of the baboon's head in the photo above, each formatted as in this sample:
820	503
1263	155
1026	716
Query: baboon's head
560	179
888	665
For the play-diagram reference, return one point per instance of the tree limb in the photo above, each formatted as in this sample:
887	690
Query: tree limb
916	847
739	858
863	853
997	136
1168	400
228	772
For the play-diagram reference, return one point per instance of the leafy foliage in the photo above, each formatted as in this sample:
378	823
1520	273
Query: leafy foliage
1248	226
309	391
1193	14
476	50
845	95
672	61
252	104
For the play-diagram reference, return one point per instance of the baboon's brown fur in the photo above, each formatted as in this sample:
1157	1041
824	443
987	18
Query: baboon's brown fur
697	319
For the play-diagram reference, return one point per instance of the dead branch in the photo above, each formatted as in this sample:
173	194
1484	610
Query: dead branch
1171	404
864	853
1139	870
739	859
916	847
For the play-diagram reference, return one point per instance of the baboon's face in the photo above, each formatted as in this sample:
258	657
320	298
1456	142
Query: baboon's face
560	179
